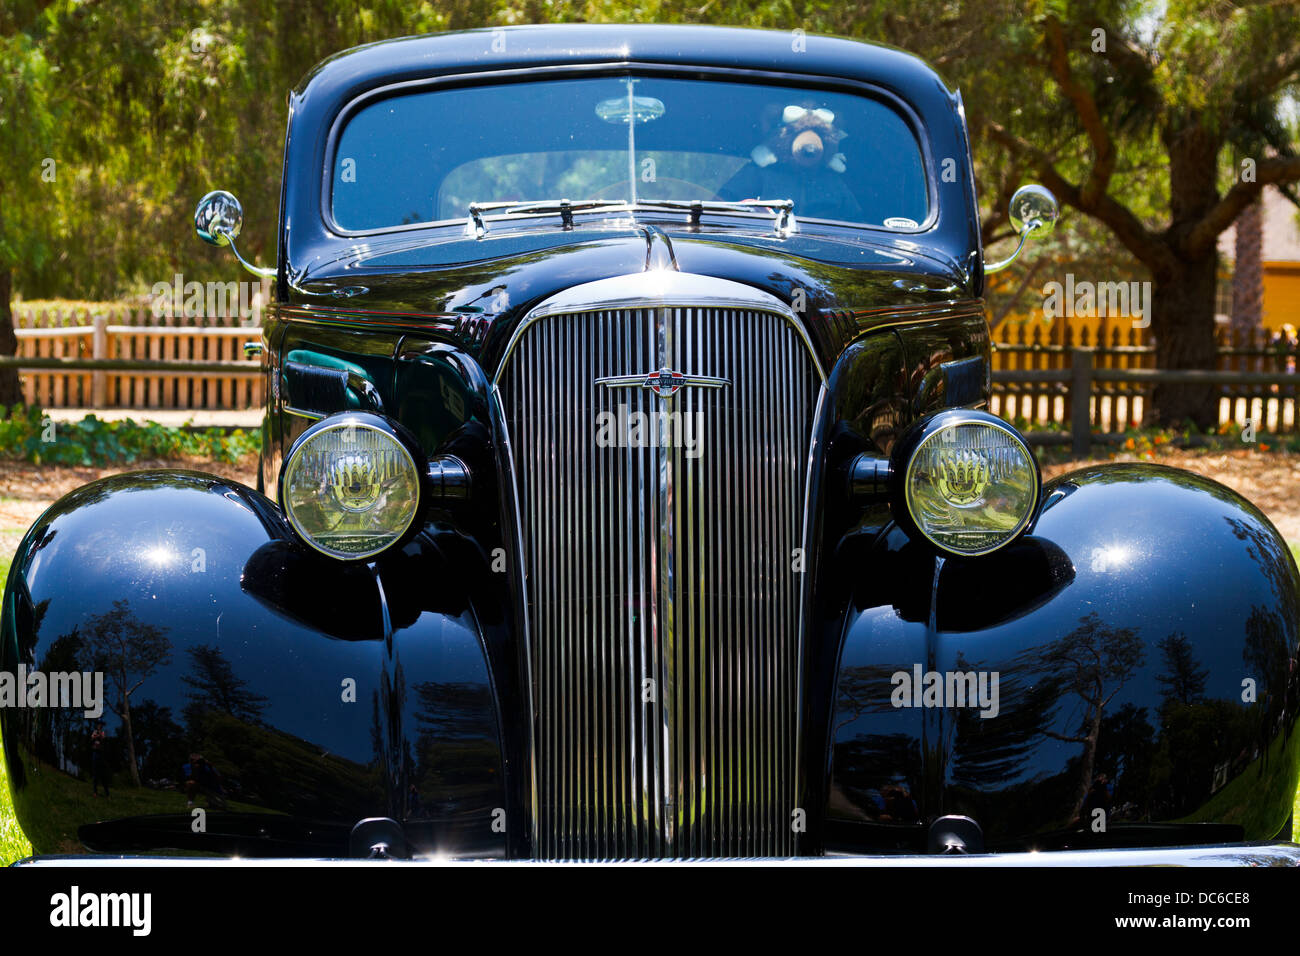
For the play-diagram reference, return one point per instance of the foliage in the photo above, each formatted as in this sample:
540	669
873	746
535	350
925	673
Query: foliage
26	433
144	108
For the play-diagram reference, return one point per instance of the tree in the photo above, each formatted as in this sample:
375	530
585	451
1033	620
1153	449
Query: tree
218	688
1094	662
1183	680
62	725
128	651
1131	111
1193	81
1158	121
159	740
26	130
145	107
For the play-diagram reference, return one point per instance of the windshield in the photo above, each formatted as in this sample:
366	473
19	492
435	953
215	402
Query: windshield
424	157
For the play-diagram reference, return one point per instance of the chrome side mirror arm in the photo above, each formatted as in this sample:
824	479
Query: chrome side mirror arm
218	219
990	268
1033	214
264	272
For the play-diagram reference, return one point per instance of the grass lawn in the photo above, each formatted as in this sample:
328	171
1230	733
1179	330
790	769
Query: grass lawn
13	843
73	803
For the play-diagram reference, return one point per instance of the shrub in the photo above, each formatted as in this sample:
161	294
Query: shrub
25	433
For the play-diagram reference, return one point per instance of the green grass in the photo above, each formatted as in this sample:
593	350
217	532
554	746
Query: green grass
69	802
1296	814
1240	802
13	842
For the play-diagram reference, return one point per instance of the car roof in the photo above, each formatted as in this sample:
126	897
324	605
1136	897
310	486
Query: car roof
329	89
496	48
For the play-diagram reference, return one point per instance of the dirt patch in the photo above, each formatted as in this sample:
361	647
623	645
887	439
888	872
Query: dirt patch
1271	481
26	490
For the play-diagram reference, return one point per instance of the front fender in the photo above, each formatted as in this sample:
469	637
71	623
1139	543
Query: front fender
319	693
1138	657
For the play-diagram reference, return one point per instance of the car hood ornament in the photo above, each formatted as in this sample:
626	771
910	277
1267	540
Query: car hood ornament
664	383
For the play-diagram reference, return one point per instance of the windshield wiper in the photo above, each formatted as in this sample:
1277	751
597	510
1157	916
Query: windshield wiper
782	210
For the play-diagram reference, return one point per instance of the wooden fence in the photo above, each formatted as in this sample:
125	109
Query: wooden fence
125	334
188	363
1254	376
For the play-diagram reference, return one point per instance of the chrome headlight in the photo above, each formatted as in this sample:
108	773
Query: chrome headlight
967	482
351	486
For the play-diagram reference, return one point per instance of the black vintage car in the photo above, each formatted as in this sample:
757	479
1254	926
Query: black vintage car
627	491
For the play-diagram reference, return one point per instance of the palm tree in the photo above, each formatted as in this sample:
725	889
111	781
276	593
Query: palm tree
1248	270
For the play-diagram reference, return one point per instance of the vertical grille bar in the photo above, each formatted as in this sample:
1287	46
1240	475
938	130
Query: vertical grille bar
663	600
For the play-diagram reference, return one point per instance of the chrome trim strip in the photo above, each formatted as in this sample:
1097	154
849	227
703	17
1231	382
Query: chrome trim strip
476	222
806	544
303	413
527	625
664	588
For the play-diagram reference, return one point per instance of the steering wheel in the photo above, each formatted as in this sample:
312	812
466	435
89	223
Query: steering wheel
665	187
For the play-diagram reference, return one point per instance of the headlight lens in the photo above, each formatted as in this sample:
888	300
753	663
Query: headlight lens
351	489
971	484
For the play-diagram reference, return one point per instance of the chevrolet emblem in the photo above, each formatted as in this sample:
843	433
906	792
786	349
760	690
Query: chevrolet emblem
664	383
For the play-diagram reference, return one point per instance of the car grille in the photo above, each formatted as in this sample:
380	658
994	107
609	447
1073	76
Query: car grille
663	595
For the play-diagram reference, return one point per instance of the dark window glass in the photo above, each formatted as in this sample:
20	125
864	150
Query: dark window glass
423	157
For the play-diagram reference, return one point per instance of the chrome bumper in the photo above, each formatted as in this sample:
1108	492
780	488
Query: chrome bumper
1236	854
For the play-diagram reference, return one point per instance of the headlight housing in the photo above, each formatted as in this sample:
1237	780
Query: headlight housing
351	486
965	481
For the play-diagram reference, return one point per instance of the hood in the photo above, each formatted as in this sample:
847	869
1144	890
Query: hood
489	284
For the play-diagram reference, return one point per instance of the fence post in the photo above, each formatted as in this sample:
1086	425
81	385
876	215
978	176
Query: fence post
99	350
1080	402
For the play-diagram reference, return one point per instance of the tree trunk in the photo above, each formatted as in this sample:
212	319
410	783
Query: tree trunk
1182	306
1089	765
1248	269
130	740
10	393
1182	318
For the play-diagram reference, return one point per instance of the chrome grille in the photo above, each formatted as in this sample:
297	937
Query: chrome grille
663	600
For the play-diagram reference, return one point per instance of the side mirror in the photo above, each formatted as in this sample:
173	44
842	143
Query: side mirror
1033	213
218	219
